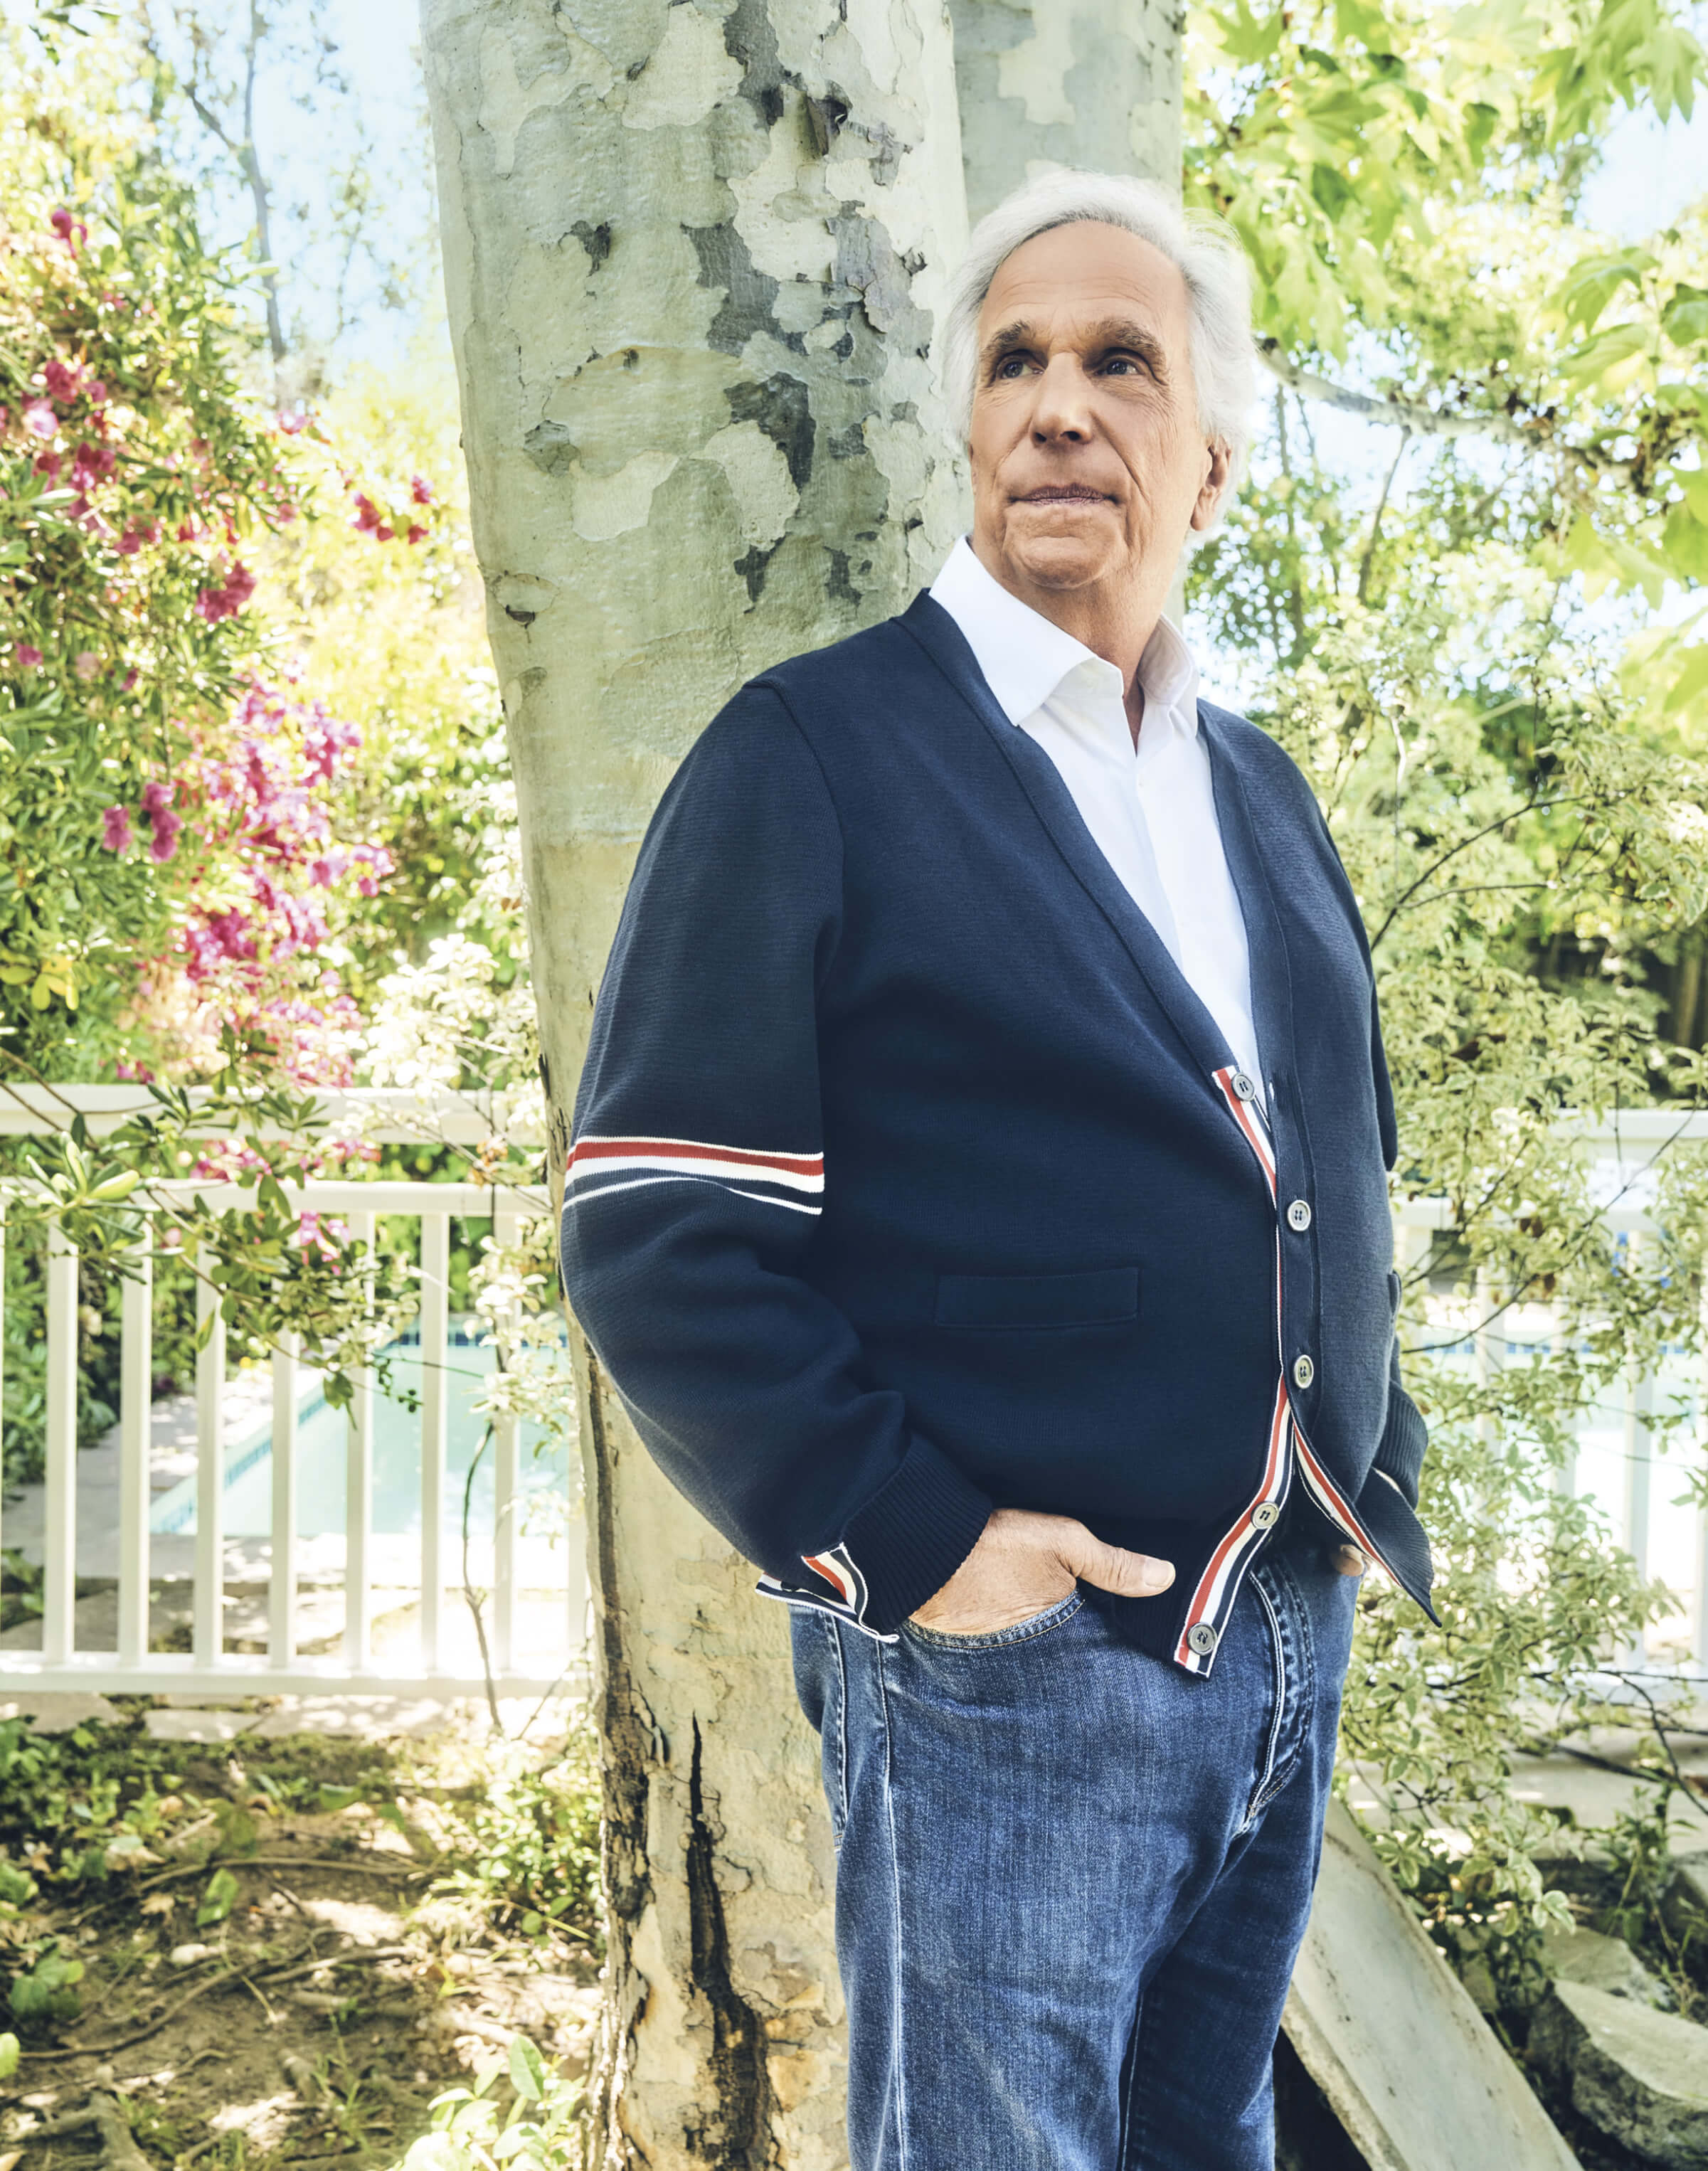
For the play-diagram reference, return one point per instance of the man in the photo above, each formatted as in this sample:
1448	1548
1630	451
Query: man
977	1197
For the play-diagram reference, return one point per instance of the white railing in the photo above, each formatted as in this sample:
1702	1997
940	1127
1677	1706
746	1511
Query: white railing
535	1639
1616	1461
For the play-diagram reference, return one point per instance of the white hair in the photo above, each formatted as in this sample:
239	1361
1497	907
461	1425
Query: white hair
1204	248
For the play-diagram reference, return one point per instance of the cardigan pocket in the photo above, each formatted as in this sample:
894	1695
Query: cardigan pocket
1107	1296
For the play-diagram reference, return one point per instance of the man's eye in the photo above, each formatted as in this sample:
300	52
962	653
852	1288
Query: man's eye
1011	365
1121	361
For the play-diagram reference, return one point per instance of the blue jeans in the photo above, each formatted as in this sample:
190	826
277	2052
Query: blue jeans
1072	1879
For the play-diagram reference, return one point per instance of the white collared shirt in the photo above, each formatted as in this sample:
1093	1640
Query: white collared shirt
1152	813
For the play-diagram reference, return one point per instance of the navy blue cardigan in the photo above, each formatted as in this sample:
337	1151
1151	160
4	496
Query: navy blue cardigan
911	1177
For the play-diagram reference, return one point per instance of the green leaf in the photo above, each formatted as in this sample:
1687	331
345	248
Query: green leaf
1594	280
1596	360
218	1901
1685	318
1691	683
17	1886
1330	189
1684	540
8	2056
48	1995
527	2073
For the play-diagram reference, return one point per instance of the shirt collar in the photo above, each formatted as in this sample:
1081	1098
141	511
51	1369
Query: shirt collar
1026	656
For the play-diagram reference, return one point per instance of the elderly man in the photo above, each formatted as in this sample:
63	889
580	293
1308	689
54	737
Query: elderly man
977	1197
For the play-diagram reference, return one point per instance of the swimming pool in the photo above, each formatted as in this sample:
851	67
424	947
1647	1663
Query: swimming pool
322	1435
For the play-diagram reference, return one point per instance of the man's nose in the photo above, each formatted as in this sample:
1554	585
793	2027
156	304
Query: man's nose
1061	407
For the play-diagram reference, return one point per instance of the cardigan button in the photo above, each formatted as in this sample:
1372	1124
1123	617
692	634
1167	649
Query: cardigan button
1201	1638
1303	1371
1265	1514
1298	1215
1244	1090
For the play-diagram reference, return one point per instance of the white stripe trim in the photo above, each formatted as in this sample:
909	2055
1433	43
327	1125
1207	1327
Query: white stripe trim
685	1175
754	1171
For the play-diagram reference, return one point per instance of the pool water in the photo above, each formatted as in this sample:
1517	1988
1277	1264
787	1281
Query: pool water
321	1436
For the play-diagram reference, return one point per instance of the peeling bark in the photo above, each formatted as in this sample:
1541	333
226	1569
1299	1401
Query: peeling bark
1073	82
692	256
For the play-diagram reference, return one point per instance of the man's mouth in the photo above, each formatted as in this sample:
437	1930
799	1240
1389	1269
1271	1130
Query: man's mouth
1065	493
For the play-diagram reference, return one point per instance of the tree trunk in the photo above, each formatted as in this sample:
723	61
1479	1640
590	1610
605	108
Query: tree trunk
691	256
1094	84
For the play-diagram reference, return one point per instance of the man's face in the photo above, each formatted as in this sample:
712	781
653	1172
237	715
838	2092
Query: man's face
1089	466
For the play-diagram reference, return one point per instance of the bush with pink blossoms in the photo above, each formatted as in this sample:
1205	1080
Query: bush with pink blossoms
266	881
137	479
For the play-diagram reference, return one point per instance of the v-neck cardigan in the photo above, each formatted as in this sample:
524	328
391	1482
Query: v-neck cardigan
909	1177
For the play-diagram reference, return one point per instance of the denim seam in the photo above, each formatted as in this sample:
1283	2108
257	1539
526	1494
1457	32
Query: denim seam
1124	2156
1265	1790
1002	1639
1305	1686
1137	2097
835	1636
897	2038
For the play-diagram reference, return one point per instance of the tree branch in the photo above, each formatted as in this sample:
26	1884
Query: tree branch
251	164
1381	508
1412	415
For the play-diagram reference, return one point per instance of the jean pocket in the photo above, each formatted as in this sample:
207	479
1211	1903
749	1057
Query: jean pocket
994	1639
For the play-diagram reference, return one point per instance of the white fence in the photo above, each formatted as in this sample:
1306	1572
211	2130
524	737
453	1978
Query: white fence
536	1620
1616	1460
533	1588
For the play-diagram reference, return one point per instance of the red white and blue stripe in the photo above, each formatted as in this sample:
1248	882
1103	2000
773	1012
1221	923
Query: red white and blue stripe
833	1568
1289	1451
597	1165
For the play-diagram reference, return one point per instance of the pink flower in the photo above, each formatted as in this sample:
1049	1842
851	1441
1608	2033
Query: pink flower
115	828
97	392
86	664
227	600
319	1232
48	465
291	423
40	419
65	225
129	543
92	464
163	825
383	534
419	490
63	382
417	533
27	656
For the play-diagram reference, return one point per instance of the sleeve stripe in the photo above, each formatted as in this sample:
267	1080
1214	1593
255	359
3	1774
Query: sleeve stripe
602	1183
805	1171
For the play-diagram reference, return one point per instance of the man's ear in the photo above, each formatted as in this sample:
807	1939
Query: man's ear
1217	475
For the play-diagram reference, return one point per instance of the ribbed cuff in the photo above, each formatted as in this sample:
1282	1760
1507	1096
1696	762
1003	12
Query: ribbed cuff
1404	1439
914	1533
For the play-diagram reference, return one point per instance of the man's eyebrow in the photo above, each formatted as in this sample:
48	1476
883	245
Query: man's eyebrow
1017	333
1128	332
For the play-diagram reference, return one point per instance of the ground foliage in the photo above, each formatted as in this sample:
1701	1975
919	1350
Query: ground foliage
354	1918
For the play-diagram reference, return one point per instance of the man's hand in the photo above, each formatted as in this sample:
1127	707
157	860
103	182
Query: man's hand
1024	1564
1350	1560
